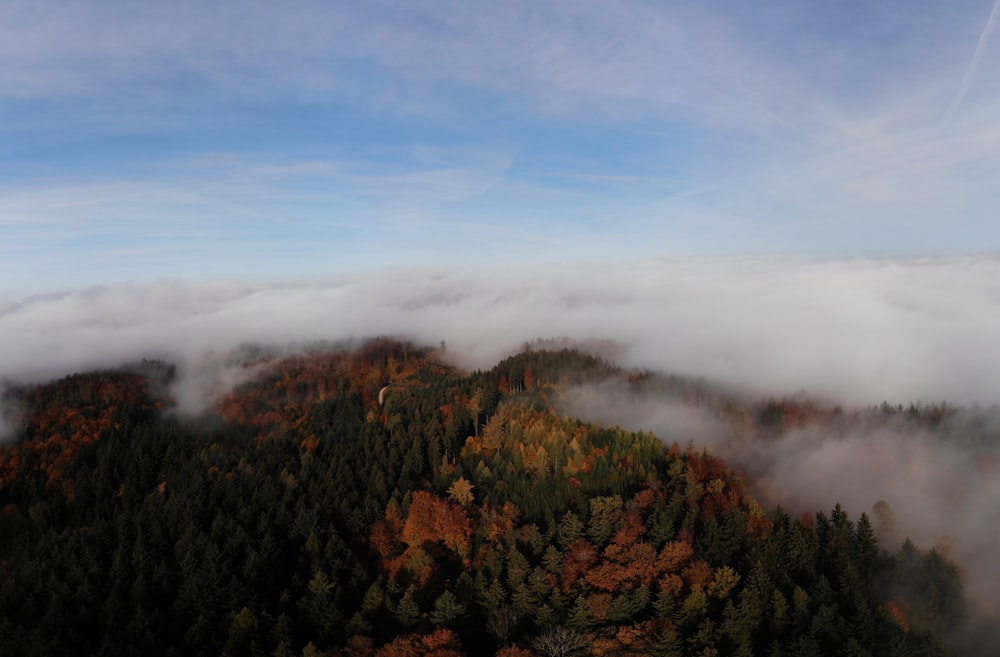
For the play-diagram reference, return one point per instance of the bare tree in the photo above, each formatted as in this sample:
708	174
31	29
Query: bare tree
501	621
560	641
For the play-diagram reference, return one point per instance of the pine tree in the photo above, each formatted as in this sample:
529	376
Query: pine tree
447	609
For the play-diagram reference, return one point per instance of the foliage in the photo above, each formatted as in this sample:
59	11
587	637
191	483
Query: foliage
461	515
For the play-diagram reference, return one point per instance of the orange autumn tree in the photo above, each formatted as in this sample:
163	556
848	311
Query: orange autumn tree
436	520
62	417
442	643
431	523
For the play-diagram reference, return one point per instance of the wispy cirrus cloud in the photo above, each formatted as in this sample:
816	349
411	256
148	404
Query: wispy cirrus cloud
637	58
671	128
977	55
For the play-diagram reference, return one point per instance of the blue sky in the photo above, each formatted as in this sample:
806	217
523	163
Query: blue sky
260	140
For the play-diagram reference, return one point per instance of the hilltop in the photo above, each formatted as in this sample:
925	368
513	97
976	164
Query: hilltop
378	501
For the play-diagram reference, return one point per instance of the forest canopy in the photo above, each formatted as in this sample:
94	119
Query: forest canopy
377	501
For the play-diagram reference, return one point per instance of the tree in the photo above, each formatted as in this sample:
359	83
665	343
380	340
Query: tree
433	519
560	641
408	611
440	643
501	621
242	631
605	513
579	617
886	519
461	491
475	407
570	529
514	651
447	609
318	607
725	581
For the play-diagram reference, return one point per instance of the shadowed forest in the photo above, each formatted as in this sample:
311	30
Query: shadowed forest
380	502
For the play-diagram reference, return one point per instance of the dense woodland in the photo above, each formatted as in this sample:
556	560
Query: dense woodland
462	515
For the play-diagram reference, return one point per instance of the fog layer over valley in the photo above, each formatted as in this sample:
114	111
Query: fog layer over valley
852	331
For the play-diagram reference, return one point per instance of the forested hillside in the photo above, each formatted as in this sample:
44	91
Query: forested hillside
378	502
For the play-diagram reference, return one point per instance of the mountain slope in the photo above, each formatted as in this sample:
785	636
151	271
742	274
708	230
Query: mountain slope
458	514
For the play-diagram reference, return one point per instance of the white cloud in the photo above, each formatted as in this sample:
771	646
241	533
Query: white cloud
861	331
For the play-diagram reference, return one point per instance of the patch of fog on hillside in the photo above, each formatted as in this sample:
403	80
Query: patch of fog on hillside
942	486
7	428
